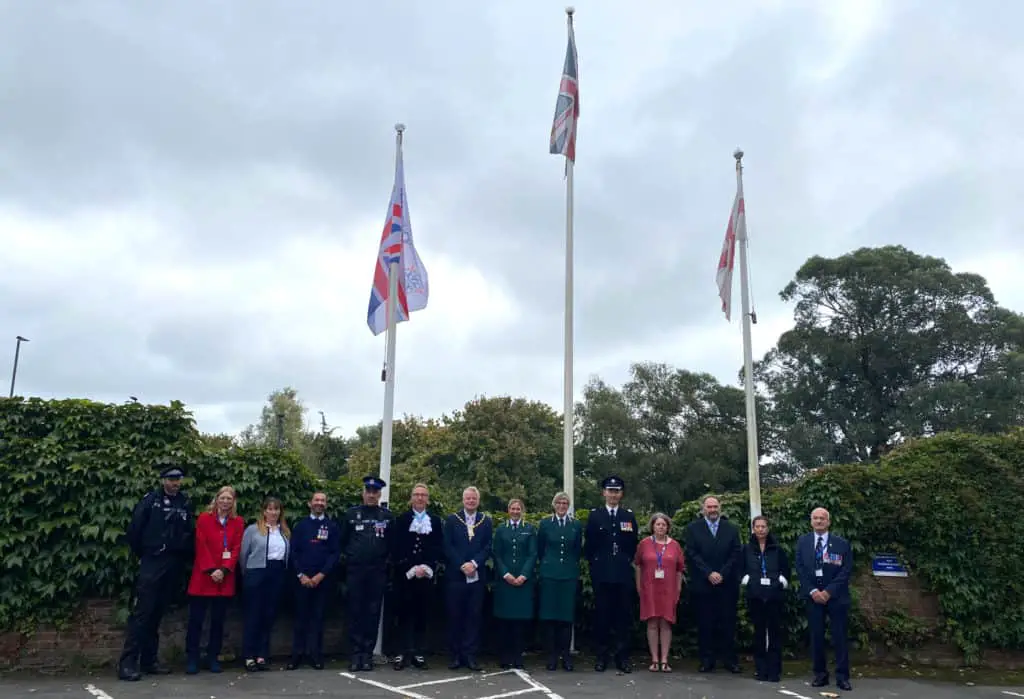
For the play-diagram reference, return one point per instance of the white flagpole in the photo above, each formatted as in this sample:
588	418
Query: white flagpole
568	470
387	426
753	467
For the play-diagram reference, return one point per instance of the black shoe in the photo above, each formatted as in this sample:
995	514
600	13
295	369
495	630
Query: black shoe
317	664
419	662
820	681
706	667
506	666
367	664
293	664
156	669
473	665
625	667
250	665
734	668
552	665
519	665
844	685
354	665
455	664
128	674
600	666
261	665
567	665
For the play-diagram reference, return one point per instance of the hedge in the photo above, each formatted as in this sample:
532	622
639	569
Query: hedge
73	469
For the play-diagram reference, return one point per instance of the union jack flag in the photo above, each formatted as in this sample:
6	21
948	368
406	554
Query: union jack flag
396	246
567	108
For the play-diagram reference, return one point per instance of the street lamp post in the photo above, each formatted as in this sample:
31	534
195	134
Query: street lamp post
17	353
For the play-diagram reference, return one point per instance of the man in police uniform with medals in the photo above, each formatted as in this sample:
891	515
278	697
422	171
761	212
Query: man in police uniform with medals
315	552
161	534
612	536
366	534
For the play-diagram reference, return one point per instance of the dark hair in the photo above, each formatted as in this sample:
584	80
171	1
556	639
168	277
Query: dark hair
760	518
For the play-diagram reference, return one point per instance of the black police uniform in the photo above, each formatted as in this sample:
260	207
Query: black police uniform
609	546
161	534
366	536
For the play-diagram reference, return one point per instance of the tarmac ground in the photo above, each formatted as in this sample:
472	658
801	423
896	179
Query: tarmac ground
384	683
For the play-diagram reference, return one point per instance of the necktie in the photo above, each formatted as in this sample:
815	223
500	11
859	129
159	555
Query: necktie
818	549
561	522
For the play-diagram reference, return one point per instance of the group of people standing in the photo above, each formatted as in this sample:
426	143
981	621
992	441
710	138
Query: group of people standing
534	573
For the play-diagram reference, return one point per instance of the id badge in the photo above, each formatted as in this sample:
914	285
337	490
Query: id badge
819	573
359	527
659	574
226	555
766	581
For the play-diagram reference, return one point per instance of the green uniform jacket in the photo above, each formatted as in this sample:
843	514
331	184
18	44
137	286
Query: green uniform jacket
515	553
559	549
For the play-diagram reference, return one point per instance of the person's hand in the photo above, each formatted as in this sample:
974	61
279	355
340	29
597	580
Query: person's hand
825	596
715	579
468	567
509	579
317	579
217	575
521	580
818	597
305	581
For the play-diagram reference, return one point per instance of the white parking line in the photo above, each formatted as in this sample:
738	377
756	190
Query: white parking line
792	694
1012	694
406	690
97	692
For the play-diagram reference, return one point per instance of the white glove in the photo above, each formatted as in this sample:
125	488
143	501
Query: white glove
411	573
745	580
429	571
785	583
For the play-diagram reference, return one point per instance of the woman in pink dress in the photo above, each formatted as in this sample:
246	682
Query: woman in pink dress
659	581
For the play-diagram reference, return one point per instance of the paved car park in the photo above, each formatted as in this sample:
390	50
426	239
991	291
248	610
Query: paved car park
384	683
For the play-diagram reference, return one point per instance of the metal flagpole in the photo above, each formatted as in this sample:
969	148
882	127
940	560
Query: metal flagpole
753	467
387	426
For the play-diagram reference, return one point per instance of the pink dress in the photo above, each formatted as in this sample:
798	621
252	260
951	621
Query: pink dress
659	596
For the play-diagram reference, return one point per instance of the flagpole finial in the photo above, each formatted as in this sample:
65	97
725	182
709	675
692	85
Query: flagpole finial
399	128
570	10
738	154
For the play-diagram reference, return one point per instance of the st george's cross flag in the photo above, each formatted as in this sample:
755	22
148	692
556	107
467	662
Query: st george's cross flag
396	246
737	223
567	108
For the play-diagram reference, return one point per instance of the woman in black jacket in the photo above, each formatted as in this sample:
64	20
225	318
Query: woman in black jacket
766	575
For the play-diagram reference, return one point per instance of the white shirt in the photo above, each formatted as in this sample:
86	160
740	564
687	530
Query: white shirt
276	546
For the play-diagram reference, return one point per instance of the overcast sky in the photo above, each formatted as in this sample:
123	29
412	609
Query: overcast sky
192	193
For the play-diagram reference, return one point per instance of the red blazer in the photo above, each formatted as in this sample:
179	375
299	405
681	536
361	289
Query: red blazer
210	548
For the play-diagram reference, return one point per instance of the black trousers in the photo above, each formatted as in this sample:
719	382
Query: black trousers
716	624
261	595
465	606
157	583
365	596
197	608
559	640
308	636
412	606
767	619
513	640
613	618
837	618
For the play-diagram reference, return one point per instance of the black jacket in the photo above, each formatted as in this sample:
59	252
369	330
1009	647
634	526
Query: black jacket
412	549
162	525
706	554
366	535
776	564
610	544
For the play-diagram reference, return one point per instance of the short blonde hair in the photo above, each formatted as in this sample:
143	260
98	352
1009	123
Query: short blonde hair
561	495
660	515
513	501
212	509
471	489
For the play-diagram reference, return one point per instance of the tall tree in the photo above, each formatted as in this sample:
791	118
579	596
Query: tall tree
284	403
671	434
889	344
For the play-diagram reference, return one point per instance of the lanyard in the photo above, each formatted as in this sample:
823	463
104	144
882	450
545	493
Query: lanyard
659	554
224	531
764	564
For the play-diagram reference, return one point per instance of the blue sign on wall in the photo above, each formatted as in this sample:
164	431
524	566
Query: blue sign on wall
887	565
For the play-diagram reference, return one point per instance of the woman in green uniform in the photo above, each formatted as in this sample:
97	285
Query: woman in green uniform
515	557
559	546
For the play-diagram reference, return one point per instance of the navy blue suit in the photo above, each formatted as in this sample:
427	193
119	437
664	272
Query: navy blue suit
465	600
315	548
835	563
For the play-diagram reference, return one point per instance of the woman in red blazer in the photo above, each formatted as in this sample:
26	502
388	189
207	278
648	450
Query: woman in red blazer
218	543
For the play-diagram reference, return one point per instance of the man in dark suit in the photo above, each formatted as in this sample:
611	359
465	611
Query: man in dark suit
467	546
610	545
714	558
824	562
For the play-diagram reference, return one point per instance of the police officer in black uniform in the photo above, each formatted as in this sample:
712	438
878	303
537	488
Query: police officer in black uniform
611	539
161	534
366	539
